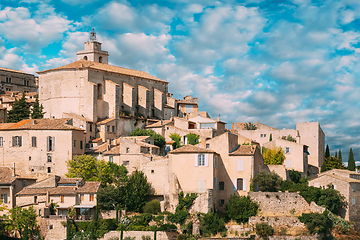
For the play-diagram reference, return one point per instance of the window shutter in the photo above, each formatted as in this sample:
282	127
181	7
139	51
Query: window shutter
240	165
201	186
13	141
235	183
53	144
20	141
196	162
206	160
244	184
48	144
288	163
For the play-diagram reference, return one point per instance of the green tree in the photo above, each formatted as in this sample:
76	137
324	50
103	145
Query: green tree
264	229
193	138
23	221
315	222
241	208
351	161
268	181
270	137
273	156
336	155
20	110
110	197
152	207
137	191
158	139
295	176
109	172
327	152
340	157
324	167
37	109
250	126
289	138
176	138
83	166
333	163
211	224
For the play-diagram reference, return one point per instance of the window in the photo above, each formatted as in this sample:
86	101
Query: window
221	202
29	158
287	150
108	128
215	183
126	163
26	83
90	127
4	198
50	226
240	184
8	79
127	150
16	141
353	201
221	186
33	141
100	59
113	128
92	197
24	183
152	171
62	198
99	91
74	143
49	169
81	144
201	160
82	197
263	135
7	89
1	142
39	212
207	146
50	144
35	199
49	158
215	161
111	159
353	187
85	57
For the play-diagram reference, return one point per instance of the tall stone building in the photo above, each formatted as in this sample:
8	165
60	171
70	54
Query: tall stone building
94	90
15	80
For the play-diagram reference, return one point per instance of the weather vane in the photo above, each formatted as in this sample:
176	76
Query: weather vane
93	35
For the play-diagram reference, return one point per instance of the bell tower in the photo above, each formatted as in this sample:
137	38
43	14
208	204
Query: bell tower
92	50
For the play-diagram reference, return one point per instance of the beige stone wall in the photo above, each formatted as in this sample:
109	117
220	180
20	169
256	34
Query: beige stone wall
138	235
33	161
52	229
17	81
157	172
290	224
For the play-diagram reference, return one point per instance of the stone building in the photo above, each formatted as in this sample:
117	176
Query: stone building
65	192
15	80
348	184
40	147
307	133
93	89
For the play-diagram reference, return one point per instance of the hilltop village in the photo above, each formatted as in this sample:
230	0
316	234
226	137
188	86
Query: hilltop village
93	108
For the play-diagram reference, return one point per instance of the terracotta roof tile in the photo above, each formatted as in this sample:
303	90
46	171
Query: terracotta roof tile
244	150
159	123
113	151
191	149
40	124
6	175
105	121
83	64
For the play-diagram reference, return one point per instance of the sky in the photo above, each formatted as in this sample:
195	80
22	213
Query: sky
277	62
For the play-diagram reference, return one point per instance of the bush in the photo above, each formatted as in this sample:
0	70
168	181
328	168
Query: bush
152	207
268	181
186	202
211	224
178	217
241	208
166	227
264	229
315	222
273	156
295	176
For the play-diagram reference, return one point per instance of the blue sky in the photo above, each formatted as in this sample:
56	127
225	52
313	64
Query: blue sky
275	61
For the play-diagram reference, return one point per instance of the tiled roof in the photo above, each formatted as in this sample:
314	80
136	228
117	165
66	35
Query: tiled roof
83	64
96	140
101	148
77	116
105	121
144	144
12	70
138	138
113	151
160	123
70	180
89	187
40	124
6	175
244	150
191	149
329	174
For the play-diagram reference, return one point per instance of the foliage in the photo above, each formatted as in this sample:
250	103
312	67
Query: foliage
351	161
23	221
211	224
166	227
177	138
250	126
273	156
158	139
338	221
152	207
178	217
336	154
88	168
186	237
145	237
264	229
270	139
324	167
241	208
268	181
193	138
186	202
340	157
52	207
295	176
20	110
37	109
333	163
137	191
109	197
71	212
289	138
315	222
327	151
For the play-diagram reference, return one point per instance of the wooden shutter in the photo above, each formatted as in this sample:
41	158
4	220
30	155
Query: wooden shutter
53	144
20	141
206	160
196	162
288	163
48	143
244	184
13	141
240	165
235	184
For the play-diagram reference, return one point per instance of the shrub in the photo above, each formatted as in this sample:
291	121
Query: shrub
268	181
186	202
273	156
241	208
264	229
211	224
166	227
178	217
145	237
152	207
315	222
295	176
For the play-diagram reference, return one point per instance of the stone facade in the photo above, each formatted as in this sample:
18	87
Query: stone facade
14	80
52	229
139	234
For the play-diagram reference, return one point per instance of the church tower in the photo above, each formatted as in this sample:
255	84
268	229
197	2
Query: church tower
92	51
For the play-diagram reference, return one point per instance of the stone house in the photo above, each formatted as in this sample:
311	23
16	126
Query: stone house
15	80
10	184
65	192
187	106
306	133
95	90
348	184
40	147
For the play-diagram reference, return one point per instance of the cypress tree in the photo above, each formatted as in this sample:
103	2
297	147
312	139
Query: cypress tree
351	161
323	167
327	153
37	109
340	157
20	110
336	154
270	137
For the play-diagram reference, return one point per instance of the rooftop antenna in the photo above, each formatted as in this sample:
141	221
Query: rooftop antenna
93	35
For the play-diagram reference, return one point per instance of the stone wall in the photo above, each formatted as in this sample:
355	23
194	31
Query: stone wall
283	204
138	235
287	225
107	214
52	229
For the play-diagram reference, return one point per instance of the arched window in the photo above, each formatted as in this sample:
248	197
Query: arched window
100	59
85	58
